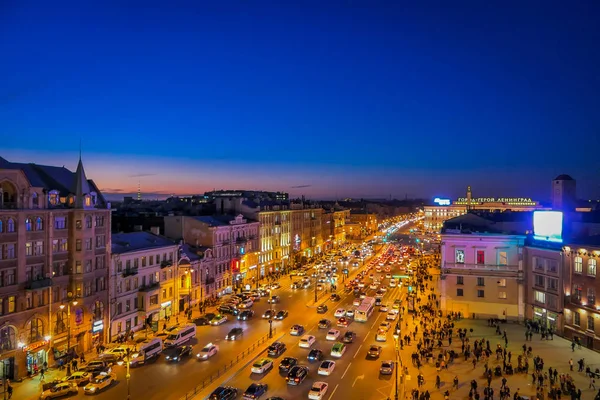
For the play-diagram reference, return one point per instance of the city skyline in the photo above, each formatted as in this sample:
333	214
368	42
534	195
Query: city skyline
372	103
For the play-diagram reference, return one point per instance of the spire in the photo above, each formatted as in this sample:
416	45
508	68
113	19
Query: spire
81	188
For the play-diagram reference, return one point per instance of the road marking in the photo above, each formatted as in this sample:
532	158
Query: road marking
366	336
334	389
347	368
357	379
357	351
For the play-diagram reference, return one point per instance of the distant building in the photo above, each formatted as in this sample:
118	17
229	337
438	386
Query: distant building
248	194
362	224
564	193
54	248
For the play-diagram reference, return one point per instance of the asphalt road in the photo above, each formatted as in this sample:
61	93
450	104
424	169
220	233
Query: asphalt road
355	376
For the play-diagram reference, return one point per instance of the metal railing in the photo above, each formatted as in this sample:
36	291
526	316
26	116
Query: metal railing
226	367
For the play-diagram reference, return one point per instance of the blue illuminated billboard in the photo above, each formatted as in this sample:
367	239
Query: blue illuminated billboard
442	202
548	225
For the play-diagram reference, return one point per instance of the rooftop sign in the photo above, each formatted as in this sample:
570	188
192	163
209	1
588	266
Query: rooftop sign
519	201
441	202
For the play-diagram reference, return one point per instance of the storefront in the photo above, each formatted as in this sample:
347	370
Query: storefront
545	318
166	310
97	332
36	355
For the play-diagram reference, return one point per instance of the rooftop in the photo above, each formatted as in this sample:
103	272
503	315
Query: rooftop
136	241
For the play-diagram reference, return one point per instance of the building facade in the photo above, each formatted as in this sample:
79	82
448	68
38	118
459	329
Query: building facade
544	277
333	231
231	240
306	231
54	249
142	290
581	305
362	224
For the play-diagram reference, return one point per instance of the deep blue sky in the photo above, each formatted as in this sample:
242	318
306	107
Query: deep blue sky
355	98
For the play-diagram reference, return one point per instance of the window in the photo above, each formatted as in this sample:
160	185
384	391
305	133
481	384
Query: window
540	297
78	267
552	284
502	258
143	261
591	267
552	266
151	261
100	241
78	245
29	248
100	262
99	220
480	281
538	263
8	338
60	223
38	248
591	297
1	226
576	319
8	277
502	295
460	256
39	224
78	224
590	322
60	325
88	266
502	282
577	292
88	221
578	265
87	289
154	300
28	225
127	305
54	246
119	266
551	301
136	263
460	280
538	280
480	293
164	294
88	244
63	245
36	330
480	256
10	225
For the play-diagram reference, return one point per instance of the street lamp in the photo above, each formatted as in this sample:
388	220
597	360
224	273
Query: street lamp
127	375
70	300
271	315
396	337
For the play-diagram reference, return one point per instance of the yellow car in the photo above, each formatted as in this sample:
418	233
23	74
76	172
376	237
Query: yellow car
99	383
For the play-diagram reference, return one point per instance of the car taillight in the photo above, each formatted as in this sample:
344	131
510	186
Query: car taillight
297	379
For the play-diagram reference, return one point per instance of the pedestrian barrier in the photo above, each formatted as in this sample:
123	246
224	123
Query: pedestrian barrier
226	367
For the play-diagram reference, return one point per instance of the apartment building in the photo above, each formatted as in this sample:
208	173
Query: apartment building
361	225
54	237
142	281
333	231
482	272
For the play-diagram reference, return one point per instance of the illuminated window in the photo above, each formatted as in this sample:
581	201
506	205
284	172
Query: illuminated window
576	318
591	296
28	225
577	292
590	323
502	282
591	267
502	295
578	265
39	224
460	256
540	297
502	258
480	255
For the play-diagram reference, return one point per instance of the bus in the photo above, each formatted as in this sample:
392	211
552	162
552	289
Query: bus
364	311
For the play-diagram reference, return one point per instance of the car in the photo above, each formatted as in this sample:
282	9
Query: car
269	314
209	316
318	391
319	286
383	289
255	390
383	308
287	363
350	313
307	341
80	378
315	355
338	350
334	297
296	285
322	309
387	367
381	335
326	367
274	299
219	319
397	303
207	351
340	312
333	334
296	330
275	285
281	315
276	349
374	351
119	352
343	322
234	334
261	366
177	353
356	302
201	321
59	390
324	324
248	303
391	316
296	375
388	276
373	286
227	309
245	315
224	393
348	337
385	326
99	383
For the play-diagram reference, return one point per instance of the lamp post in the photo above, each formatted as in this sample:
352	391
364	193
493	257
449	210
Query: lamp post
271	315
70	300
316	281
396	337
127	375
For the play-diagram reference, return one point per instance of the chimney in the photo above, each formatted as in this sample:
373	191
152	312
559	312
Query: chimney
138	228
155	230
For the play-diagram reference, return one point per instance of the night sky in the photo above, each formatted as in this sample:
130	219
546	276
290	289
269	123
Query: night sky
346	99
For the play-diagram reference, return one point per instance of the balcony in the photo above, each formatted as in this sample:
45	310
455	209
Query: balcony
38	284
150	287
166	264
489	267
129	272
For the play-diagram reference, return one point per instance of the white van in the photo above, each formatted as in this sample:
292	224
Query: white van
181	335
147	350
